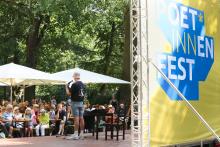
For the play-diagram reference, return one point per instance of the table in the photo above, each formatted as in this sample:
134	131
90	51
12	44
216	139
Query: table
71	118
24	121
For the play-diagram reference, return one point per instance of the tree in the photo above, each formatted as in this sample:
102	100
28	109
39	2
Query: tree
53	35
125	92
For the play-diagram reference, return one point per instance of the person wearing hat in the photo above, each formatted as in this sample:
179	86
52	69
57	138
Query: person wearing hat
111	109
18	116
43	122
75	89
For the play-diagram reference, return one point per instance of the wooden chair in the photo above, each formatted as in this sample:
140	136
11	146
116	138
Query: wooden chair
109	125
116	122
111	122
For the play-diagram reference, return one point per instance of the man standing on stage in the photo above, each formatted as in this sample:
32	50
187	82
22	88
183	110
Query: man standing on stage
75	89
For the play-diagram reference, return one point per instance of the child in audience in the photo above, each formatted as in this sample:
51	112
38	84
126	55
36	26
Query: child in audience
29	124
35	114
61	117
52	113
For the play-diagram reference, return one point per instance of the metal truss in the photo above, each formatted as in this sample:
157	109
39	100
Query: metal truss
140	118
140	105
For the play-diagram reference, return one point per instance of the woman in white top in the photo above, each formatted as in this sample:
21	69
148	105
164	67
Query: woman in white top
17	116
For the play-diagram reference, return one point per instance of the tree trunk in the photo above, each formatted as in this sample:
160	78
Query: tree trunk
5	88
109	48
16	56
33	41
125	92
108	53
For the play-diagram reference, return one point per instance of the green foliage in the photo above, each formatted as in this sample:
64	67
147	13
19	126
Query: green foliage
84	33
46	92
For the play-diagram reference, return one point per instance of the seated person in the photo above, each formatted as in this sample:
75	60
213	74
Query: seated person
7	118
17	116
22	107
1	112
3	128
114	102
69	120
87	119
111	110
35	114
43	123
121	110
61	116
52	114
29	125
52	118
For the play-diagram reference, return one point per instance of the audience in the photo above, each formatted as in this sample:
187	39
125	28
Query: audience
37	116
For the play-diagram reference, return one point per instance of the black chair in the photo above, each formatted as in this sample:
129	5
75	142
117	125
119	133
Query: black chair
98	116
89	120
17	133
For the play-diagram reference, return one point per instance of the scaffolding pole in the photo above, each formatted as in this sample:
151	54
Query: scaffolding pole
140	116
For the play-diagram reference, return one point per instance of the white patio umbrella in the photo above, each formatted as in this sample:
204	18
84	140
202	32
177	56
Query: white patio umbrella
2	84
15	75
88	77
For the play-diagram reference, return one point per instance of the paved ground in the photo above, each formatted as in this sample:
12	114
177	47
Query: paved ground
52	141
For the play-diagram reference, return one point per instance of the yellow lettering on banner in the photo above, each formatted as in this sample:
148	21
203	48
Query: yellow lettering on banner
182	42
192	43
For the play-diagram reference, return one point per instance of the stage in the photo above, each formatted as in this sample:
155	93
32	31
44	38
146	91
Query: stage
53	141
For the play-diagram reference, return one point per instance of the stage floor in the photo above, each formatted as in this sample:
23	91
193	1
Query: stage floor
53	141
